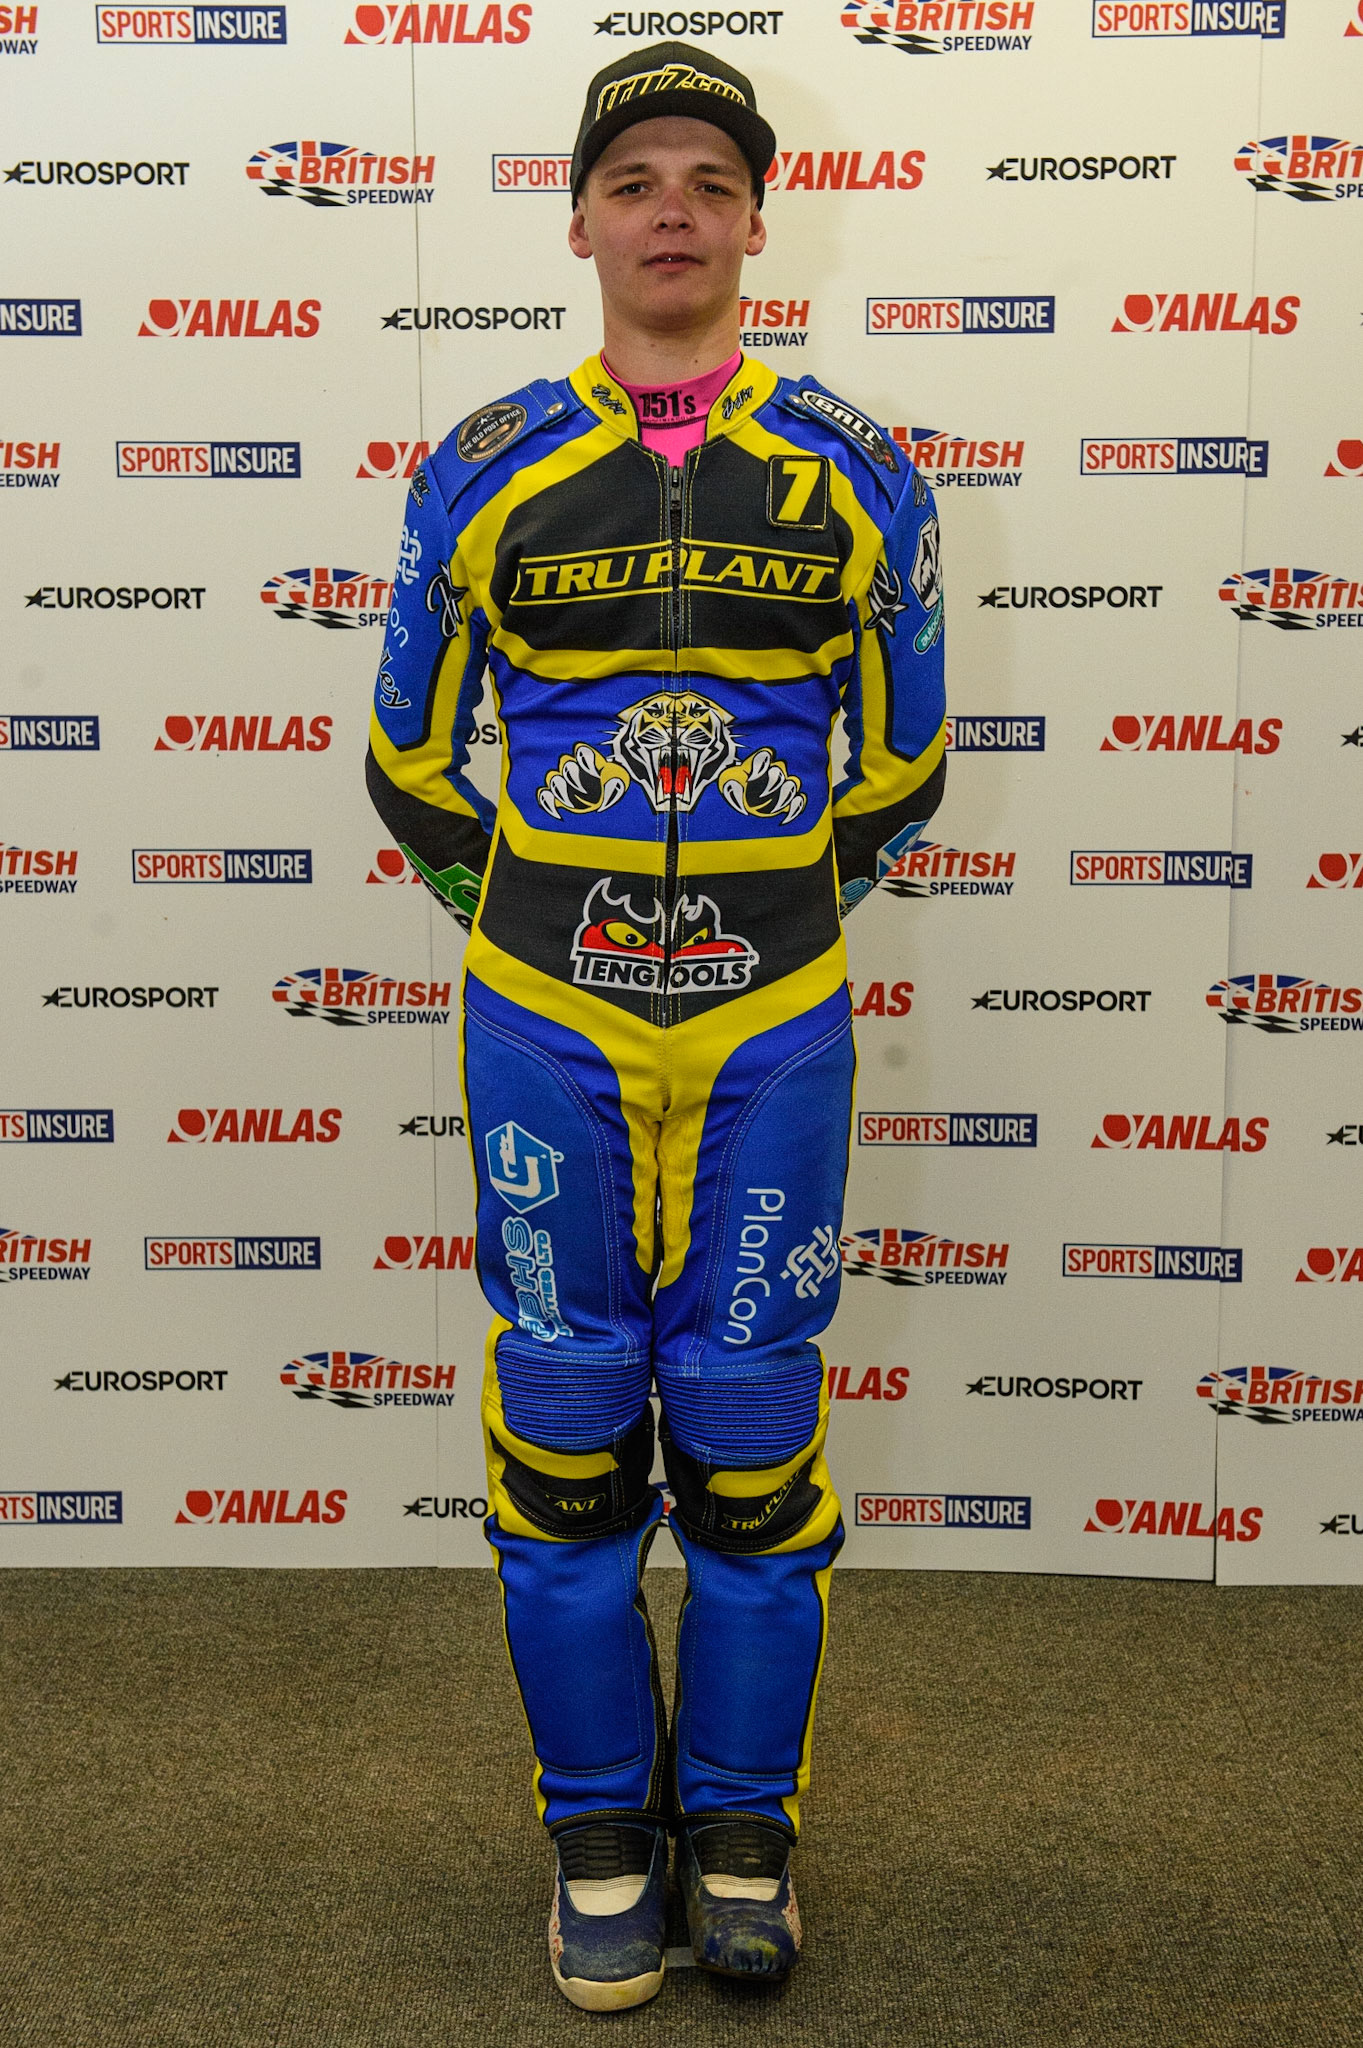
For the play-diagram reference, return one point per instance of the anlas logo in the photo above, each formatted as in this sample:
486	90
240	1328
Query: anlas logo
340	174
195	1126
230	319
470	21
894	999
913	26
1266	19
1103	869
25	1257
56	1127
955	459
37	870
932	870
872	1383
1306	167
32	465
1347	459
1189	732
1152	1262
1175	455
1337	871
842	170
1276	1395
335	598
1153	1131
393	459
1295	600
224	732
364	1379
1173	1518
1279	1003
353	995
919	1258
417	1254
204	1505
1203	313
1332	1262
773	323
392	866
18	31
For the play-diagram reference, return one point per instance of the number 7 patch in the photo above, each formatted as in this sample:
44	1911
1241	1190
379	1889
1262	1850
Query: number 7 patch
797	491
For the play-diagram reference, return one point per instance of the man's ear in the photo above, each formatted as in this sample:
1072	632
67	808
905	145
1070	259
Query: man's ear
579	240
757	234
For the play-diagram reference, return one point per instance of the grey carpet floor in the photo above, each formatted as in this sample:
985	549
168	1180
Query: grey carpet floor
290	1810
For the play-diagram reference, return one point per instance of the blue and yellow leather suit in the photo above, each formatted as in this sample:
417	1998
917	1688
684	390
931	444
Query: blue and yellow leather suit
657	1042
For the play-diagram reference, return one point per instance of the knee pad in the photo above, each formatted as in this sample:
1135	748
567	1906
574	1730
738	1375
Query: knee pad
750	1509
566	1496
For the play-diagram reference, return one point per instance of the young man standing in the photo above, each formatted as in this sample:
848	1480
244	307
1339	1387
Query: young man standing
676	568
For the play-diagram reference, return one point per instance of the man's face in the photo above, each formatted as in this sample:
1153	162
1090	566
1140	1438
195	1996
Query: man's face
667	214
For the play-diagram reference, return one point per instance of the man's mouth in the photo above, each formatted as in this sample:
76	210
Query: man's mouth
669	260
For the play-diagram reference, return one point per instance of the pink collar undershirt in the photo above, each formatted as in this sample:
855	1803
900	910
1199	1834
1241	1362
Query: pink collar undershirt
672	416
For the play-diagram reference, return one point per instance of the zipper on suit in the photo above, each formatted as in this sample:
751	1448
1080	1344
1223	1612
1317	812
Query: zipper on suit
676	489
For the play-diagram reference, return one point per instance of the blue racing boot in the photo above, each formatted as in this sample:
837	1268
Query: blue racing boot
607	1926
740	1902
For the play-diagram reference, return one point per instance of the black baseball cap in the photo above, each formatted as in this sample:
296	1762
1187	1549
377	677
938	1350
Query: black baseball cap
672	78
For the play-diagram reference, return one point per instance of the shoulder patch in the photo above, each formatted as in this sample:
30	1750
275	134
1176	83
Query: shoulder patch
851	424
489	429
465	455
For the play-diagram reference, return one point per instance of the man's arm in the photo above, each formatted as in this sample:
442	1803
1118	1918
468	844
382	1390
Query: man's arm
894	702
425	701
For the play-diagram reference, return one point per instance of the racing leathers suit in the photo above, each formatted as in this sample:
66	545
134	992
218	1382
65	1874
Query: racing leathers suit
657	1052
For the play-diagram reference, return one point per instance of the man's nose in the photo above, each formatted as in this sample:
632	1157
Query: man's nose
674	209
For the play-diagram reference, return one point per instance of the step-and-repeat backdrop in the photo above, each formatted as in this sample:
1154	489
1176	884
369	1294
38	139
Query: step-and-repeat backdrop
1096	264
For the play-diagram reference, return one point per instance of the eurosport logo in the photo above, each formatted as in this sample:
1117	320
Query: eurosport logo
1337	871
1332	1262
194	1126
1203	313
341	174
223	864
842	170
48	318
735	21
334	598
98	1380
479	319
29	1257
896	1000
471	21
1153	1131
773	323
232	1254
29	171
226	27
1088	170
994	1387
920	1258
1266	19
37	870
66	996
874	1383
947	459
32	465
127	597
1078	597
364	1379
995	735
1347	1134
1188	732
391	866
1278	1395
1112	870
932	870
1347	459
419	1254
219	1504
974	27
445	1507
1279	1003
56	1127
350	996
35	1509
261	460
530	173
1311	168
1174	455
230	319
447	1126
1295	600
944	1511
1073	1001
1151	1262
1173	1518
22	733
1027	314
393	459
975	1127
18	31
225	732
1344	1524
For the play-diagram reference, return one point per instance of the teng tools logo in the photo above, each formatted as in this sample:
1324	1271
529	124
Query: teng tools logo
353	995
1144	1131
363	1379
335	598
468	22
954	459
1307	167
393	459
339	174
1281	1003
1203	313
1189	732
919	1258
913	26
230	319
1295	600
1277	1394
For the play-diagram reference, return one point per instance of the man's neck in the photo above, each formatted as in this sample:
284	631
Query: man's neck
639	357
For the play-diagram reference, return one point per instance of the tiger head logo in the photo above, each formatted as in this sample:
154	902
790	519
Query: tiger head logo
674	745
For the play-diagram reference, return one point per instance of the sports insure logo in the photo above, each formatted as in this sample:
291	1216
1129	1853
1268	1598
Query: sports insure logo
542	173
920	1258
1283	1003
968	1127
1294	600
1143	455
22	732
222	864
996	734
999	1511
1311	168
21	1509
524	1171
326	174
221	27
365	1379
48	319
915	27
1266	19
1096	868
1031	313
232	1254
351	996
1279	1395
56	1127
261	461
1152	1262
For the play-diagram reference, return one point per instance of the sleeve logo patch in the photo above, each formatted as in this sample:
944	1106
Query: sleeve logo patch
797	491
854	425
489	429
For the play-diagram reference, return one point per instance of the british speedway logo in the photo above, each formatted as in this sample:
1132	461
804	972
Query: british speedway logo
30	465
956	459
932	870
1153	1131
1274	1395
27	1256
1189	732
365	1379
920	1258
1311	168
434	21
914	27
18	31
393	459
230	319
340	174
349	996
1294	600
334	598
1204	313
1281	1003
773	323
37	870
